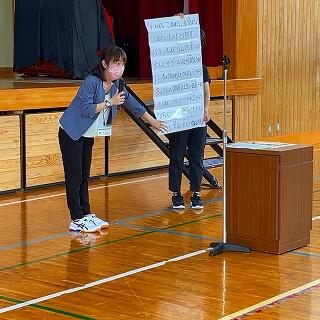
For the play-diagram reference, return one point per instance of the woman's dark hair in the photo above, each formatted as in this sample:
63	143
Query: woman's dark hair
203	38
108	54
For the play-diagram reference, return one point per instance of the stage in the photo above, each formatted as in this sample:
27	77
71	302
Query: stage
19	94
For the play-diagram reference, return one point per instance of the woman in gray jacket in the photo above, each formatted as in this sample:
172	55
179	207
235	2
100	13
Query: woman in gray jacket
90	114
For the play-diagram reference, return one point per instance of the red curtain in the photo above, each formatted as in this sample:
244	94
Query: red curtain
210	14
153	9
108	20
131	33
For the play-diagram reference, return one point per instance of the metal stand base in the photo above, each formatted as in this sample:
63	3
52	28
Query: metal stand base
219	247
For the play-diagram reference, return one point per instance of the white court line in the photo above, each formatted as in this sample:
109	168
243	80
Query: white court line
316	218
95	188
101	281
271	300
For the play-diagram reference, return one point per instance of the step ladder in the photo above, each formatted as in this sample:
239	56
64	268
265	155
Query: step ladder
214	142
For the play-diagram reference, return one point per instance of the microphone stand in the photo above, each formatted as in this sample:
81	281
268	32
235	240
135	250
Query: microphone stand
219	247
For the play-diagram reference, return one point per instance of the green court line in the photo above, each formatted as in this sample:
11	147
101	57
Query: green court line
74	315
38	306
103	244
27	243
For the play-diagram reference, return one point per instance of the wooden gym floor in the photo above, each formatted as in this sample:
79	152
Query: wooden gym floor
151	263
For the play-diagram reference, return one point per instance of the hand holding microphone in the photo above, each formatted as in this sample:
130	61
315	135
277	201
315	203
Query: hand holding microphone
119	98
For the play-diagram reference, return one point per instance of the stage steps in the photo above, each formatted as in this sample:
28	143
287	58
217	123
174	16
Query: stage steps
214	142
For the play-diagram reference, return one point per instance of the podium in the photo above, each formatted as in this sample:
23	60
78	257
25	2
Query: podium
269	195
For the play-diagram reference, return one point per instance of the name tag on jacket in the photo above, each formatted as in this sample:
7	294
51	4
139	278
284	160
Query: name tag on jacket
105	131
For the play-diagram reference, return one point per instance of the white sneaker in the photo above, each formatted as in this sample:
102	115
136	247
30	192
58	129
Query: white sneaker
97	221
85	225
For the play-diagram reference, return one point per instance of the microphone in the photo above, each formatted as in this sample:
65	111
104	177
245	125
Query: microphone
120	88
121	84
225	61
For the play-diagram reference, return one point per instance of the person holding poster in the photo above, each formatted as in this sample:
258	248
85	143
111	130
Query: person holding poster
90	114
191	141
181	96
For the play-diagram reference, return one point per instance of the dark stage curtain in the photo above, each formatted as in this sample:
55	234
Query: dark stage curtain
66	33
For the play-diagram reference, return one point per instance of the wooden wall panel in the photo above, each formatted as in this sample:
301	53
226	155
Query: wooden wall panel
10	177
43	157
240	36
246	51
229	25
288	51
247	117
215	72
216	112
236	87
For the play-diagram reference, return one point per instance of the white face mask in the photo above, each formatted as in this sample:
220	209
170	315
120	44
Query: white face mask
115	71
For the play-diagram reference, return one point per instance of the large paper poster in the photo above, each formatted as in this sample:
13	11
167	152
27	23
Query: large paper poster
175	50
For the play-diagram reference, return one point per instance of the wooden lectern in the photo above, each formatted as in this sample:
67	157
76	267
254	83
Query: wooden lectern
269	195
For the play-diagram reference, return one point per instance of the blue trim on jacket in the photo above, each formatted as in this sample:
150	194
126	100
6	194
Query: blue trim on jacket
81	113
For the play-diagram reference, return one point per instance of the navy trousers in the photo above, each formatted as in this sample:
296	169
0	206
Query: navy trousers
191	141
76	157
